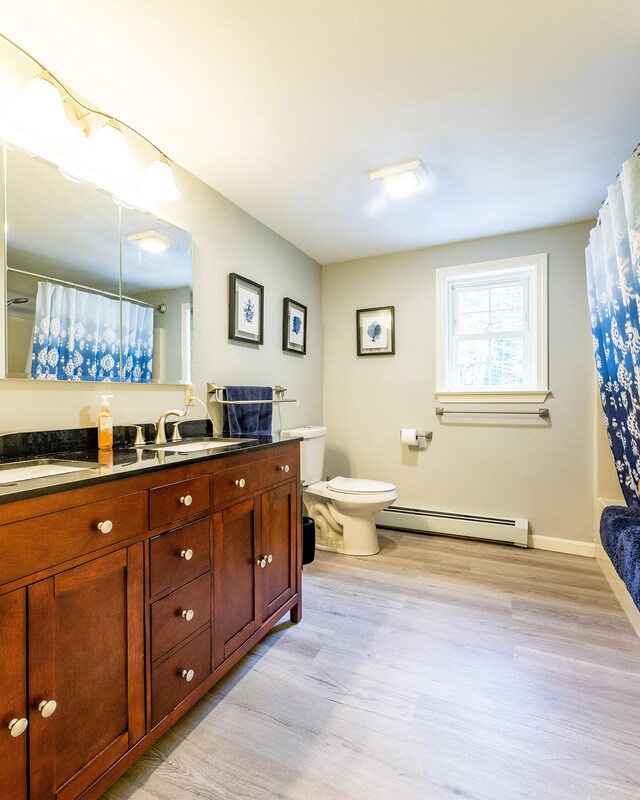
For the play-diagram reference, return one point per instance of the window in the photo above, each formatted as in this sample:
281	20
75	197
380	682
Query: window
492	331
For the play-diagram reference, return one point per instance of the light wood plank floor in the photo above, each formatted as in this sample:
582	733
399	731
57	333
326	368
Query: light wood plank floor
440	669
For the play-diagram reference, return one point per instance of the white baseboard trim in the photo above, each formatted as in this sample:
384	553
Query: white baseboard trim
619	589
570	546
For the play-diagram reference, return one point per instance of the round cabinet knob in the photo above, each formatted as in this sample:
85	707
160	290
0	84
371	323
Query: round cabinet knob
284	468
269	558
262	562
188	615
105	527
186	500
186	554
188	674
241	483
47	707
18	726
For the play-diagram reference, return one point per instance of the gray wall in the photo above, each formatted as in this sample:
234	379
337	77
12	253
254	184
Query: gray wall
225	239
543	472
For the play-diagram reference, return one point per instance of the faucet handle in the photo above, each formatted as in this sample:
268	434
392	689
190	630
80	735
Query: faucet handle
139	441
175	434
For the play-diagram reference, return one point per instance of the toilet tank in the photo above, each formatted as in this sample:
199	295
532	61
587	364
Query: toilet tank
311	451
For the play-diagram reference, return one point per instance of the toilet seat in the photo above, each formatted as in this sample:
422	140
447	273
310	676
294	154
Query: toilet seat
359	486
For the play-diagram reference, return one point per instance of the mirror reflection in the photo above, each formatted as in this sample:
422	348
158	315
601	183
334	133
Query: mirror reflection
95	291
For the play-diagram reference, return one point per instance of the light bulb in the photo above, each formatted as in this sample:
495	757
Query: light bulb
160	180
403	184
42	107
112	150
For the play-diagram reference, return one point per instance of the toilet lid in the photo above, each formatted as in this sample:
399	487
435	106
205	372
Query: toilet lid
359	486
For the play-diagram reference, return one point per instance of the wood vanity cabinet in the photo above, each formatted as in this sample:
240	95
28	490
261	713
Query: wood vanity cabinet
255	553
110	632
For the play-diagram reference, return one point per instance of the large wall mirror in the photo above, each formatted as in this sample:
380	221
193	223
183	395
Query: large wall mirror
94	290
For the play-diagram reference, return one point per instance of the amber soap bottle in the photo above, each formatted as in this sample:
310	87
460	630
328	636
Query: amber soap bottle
105	425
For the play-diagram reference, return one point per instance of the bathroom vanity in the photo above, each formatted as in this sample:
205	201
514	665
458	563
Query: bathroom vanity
125	595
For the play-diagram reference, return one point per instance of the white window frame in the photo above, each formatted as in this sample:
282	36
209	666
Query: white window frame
534	269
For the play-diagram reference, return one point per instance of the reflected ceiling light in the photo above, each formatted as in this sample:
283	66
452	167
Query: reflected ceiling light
402	179
151	241
51	108
161	181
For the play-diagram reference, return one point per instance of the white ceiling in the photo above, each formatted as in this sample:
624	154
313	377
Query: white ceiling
522	111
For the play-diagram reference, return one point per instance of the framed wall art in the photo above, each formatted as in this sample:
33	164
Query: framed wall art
246	309
375	331
294	326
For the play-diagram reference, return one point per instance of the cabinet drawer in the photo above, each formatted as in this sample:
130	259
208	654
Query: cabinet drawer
179	556
178	500
178	615
41	542
169	684
234	484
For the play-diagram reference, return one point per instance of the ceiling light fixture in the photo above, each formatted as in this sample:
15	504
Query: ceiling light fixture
402	179
151	241
52	107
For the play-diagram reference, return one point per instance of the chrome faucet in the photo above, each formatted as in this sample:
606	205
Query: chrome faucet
161	436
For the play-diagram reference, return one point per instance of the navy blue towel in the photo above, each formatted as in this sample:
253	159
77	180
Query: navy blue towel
248	419
620	534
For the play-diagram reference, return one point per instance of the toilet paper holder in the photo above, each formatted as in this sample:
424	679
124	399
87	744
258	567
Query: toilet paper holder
419	437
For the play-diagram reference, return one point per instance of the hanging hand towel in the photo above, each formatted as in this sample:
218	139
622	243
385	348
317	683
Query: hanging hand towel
247	419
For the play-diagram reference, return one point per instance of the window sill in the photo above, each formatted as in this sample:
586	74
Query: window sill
515	396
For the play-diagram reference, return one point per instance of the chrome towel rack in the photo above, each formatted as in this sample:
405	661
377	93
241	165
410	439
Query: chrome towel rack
541	412
216	392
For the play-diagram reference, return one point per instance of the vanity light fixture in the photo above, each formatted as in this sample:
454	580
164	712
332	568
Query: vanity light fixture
51	106
44	105
112	149
401	179
151	241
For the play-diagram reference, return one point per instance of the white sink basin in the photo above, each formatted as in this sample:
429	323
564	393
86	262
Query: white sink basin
39	468
195	446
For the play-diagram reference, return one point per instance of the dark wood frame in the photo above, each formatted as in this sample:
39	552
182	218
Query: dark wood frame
234	280
287	305
391	346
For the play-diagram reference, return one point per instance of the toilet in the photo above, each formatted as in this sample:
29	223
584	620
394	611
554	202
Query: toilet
342	508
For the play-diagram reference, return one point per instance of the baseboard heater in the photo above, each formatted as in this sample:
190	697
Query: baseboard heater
468	526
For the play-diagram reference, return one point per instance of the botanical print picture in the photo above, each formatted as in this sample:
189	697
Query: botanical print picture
375	331
246	316
294	326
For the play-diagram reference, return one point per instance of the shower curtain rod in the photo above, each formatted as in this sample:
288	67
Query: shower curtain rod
636	152
160	308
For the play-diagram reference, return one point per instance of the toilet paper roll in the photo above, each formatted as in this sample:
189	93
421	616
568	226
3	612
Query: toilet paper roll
409	436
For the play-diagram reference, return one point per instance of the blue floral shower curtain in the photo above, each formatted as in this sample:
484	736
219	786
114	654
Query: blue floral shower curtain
613	279
76	337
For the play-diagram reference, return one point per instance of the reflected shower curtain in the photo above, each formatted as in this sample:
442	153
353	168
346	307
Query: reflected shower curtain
137	342
613	279
76	337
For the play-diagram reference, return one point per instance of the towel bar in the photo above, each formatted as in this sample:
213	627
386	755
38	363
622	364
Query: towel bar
216	391
541	412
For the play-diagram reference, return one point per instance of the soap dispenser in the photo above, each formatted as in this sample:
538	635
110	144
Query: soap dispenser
105	425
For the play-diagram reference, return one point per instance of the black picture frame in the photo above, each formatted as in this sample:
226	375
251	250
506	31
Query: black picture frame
246	310
294	326
375	330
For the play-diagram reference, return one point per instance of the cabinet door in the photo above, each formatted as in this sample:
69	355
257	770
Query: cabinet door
86	654
278	544
13	695
234	569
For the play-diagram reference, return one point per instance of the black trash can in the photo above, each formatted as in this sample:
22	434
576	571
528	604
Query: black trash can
308	540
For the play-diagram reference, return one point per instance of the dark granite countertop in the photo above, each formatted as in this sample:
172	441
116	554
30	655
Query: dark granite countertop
79	447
